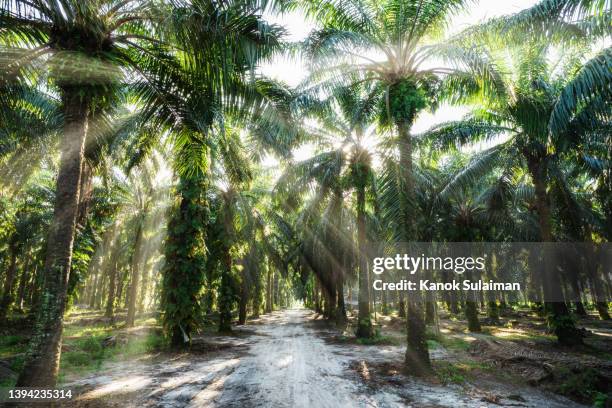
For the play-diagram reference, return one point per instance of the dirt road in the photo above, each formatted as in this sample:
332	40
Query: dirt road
283	361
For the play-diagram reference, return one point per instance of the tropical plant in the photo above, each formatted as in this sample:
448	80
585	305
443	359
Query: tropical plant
523	114
392	45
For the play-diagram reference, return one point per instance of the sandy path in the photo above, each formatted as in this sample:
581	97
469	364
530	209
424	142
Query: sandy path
284	362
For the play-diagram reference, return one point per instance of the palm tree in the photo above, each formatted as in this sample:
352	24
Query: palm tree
525	113
86	48
343	165
143	208
390	45
189	98
566	22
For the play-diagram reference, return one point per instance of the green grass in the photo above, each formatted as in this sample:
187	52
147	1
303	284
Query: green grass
85	351
83	348
88	353
458	372
447	342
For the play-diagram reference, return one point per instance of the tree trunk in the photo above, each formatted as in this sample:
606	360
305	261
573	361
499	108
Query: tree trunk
558	314
417	352
23	281
131	312
430	312
471	313
42	359
244	301
33	288
143	287
110	300
492	311
120	286
100	292
315	296
598	284
340	306
226	298
364	322
401	306
94	288
9	282
269	290
429	303
85	193
257	295
276	290
183	274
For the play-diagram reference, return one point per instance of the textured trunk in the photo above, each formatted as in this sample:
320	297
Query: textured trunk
269	290
100	292
185	259
225	300
31	298
340	306
598	284
417	353
244	301
329	310
492	311
94	288
430	312
257	295
23	282
120	286
315	296
276	290
364	322
384	302
143	288
574	287
559	316
85	193
429	303
131	312
9	283
110	300
42	359
471	313
401	306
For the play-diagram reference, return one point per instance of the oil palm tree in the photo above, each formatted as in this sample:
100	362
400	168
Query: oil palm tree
86	48
216	44
393	46
525	115
564	22
342	166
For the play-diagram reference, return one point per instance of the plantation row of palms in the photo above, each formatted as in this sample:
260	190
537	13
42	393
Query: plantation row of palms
134	135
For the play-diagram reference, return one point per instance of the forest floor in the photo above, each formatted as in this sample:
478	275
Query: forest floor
293	358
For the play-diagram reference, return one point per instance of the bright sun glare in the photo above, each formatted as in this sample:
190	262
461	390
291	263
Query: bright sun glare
293	71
